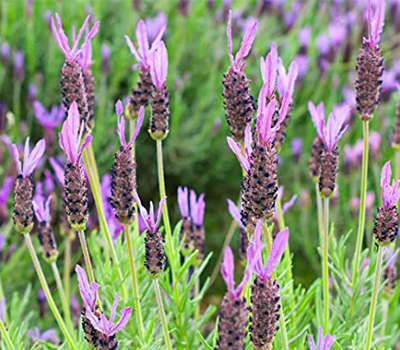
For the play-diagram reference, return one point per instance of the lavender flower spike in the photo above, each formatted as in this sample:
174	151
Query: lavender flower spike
62	40
154	244
141	94
107	327
160	102
23	190
323	343
71	136
264	290
386	221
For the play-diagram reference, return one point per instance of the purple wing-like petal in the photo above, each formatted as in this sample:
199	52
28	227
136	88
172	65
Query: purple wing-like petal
227	269
235	148
229	36
318	117
15	156
311	342
159	65
125	316
277	249
133	49
143	42
139	123
269	70
235	213
183	201
31	159
88	292
247	43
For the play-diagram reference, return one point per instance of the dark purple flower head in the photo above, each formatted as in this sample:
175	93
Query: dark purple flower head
330	133
31	158
5	190
48	119
62	40
107	327
159	65
375	23
48	182
304	36
58	171
41	206
18	72
71	136
32	93
235	213
297	145
41	295
390	192
183	201
155	26
119	109
152	222
245	46
88	291
197	208
36	336
323	343
105	58
244	159
143	53
254	251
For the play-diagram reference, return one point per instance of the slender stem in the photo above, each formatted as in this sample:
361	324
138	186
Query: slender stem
47	292
227	240
282	324
196	294
6	336
161	182
162	313
103	222
93	164
67	267
361	219
86	256
385	311
135	283
64	300
320	215
374	298
325	271
17	103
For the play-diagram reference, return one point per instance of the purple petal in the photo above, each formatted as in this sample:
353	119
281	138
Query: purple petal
235	148
15	156
125	316
229	36
139	123
276	252
133	49
159	213
227	269
32	159
247	43
143	43
311	342
269	70
183	201
386	175
2	308
159	65
235	213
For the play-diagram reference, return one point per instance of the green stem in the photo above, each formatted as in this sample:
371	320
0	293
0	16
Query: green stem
16	104
86	256
162	313
64	300
161	182
374	298
135	284
320	216
47	292
6	336
196	294
67	267
361	219
282	325
325	271
103	222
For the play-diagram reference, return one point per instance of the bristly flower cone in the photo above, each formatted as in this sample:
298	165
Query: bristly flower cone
76	196
396	131
47	241
260	186
238	102
386	225
316	151
159	114
141	94
186	235
154	253
369	80
23	208
90	97
328	172
232	323
199	242
243	245
264	312
123	185
280	135
73	89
